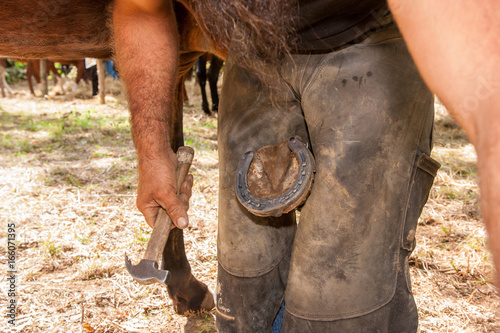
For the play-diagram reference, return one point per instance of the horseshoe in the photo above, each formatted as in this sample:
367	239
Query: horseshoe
291	198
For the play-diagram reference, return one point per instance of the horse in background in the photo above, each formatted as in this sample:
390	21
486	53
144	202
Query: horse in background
4	86
33	71
212	74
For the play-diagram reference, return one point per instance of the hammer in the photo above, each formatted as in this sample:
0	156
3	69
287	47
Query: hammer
146	271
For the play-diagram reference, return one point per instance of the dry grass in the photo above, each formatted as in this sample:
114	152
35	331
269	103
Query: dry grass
68	181
451	268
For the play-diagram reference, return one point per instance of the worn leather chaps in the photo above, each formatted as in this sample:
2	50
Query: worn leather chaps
367	117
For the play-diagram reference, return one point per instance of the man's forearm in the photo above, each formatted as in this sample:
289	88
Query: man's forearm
456	48
147	43
457	51
147	52
488	152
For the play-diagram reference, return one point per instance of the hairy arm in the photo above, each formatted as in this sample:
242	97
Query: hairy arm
147	47
456	48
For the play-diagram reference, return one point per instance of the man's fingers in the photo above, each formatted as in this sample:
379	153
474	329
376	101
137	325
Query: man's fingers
150	199
187	184
179	215
186	189
185	201
150	214
171	203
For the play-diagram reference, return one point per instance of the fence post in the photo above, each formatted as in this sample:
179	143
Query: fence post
101	75
43	77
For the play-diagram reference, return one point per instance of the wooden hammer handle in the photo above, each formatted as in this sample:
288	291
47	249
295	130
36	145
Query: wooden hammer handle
163	222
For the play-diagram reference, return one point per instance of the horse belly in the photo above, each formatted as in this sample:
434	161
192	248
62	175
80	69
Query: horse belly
69	29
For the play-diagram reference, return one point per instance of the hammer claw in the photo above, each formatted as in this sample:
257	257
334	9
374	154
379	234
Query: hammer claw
147	272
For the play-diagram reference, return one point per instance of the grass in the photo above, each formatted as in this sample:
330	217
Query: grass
202	137
64	131
96	268
51	249
141	236
84	240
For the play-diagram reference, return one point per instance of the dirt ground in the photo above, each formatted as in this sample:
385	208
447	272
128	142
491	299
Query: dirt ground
68	181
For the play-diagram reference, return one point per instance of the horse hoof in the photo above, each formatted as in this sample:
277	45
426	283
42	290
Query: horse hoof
208	302
193	297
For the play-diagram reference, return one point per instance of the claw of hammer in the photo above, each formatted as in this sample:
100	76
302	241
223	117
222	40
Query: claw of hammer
146	271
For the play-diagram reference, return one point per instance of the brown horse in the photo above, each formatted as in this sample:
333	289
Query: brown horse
62	29
212	74
33	70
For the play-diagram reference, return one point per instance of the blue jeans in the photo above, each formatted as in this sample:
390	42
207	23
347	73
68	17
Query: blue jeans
278	321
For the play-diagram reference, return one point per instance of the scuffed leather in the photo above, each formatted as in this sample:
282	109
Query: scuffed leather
248	245
368	118
366	137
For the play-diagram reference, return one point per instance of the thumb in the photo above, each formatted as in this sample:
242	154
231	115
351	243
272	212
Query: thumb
176	211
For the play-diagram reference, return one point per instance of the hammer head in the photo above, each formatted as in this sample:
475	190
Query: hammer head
147	272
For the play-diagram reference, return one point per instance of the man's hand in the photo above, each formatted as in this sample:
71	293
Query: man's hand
147	48
156	184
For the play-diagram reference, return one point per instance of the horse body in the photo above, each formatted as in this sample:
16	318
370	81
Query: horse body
77	29
55	28
80	29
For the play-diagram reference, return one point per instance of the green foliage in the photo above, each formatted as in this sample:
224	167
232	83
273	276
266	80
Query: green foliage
201	137
23	134
458	193
6	140
141	236
84	240
64	175
205	324
15	71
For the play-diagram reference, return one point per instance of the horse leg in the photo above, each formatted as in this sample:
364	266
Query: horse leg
86	72
185	97
2	72
51	68
30	73
2	75
95	80
213	77
201	76
187	293
58	81
80	71
5	85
